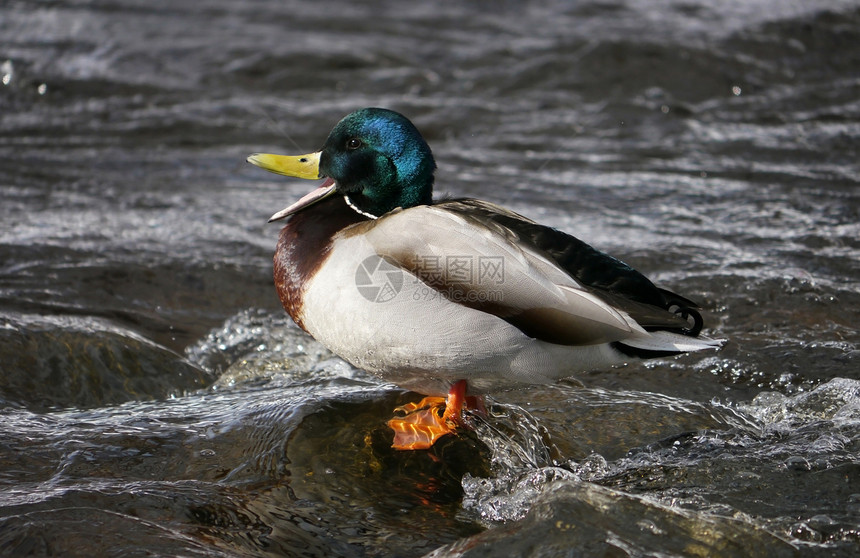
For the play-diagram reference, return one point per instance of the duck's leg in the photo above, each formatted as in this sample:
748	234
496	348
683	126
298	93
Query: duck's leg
428	420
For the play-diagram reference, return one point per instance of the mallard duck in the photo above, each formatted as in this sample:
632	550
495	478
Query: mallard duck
441	297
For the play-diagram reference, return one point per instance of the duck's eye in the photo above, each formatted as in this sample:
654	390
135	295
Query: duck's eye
352	144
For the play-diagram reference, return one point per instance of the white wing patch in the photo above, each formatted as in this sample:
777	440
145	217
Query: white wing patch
531	287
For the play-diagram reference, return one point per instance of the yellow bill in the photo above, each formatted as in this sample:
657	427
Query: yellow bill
300	166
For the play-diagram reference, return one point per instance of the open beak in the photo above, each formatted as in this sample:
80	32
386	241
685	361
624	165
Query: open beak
300	166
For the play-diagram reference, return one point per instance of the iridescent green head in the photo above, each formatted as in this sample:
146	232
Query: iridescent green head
375	157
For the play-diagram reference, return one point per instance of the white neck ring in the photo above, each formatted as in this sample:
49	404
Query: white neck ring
357	210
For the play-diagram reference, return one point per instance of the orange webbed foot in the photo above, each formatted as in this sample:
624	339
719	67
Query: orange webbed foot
428	420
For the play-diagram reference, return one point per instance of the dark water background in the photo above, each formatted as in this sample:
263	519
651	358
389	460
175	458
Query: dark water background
156	401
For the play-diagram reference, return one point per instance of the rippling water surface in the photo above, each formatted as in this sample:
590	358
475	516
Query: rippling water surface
156	400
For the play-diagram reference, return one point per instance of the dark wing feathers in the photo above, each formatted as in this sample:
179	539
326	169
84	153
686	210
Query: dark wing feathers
606	277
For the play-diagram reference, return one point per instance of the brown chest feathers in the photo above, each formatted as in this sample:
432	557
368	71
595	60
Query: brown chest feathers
304	245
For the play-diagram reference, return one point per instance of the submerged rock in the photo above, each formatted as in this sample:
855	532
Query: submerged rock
63	362
584	519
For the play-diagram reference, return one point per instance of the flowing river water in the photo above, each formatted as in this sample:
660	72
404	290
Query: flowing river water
156	401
